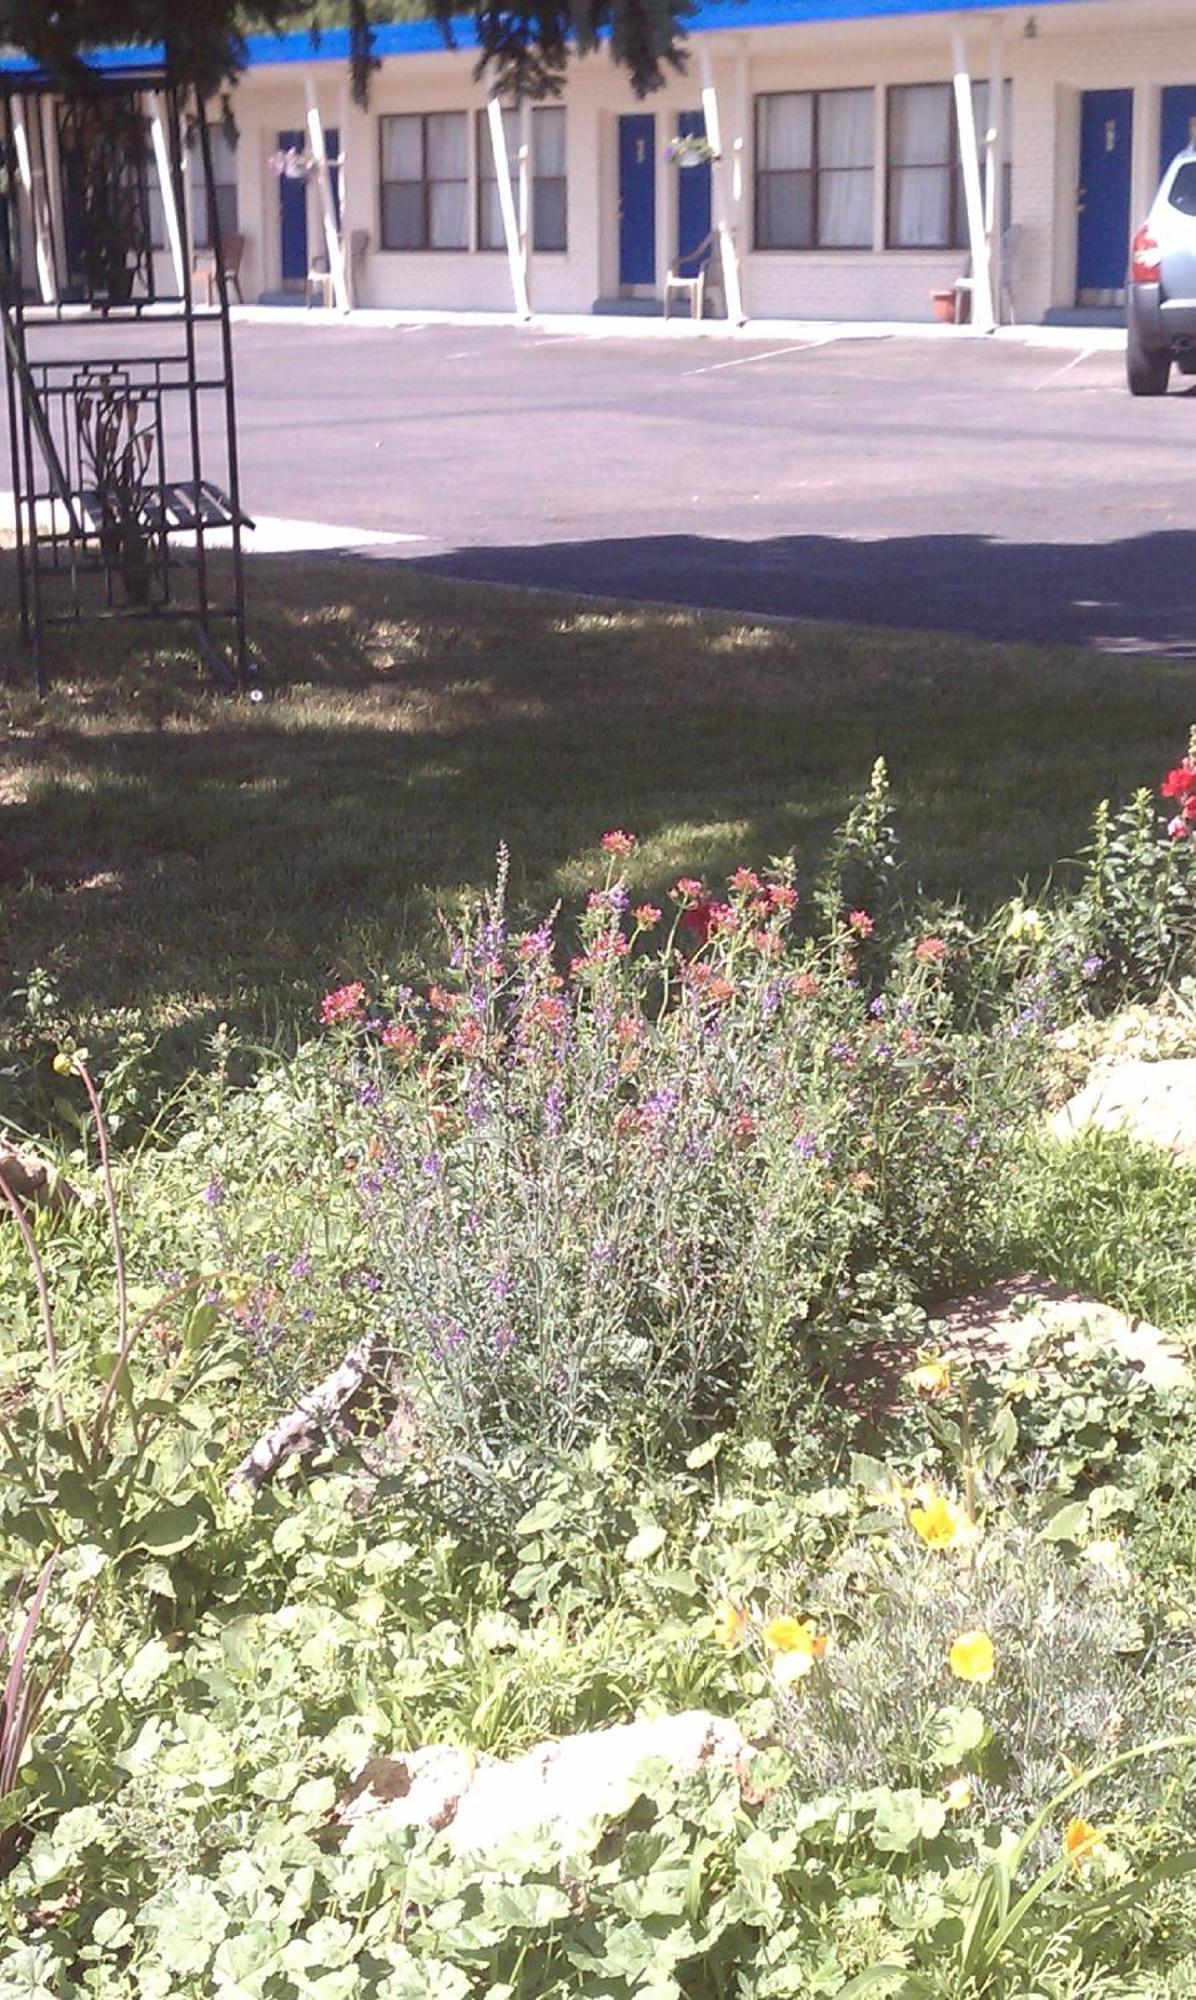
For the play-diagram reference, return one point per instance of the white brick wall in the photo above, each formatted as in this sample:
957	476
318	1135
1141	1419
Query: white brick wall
1143	44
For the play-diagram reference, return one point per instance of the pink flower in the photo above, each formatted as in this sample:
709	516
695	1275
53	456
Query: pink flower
930	951
1179	828
399	1038
861	923
744	882
782	897
647	916
620	843
346	1003
688	890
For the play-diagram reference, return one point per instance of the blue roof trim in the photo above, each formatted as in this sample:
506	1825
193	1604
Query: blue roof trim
412	38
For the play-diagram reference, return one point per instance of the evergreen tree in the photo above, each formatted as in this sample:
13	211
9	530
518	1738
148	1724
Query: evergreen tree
525	48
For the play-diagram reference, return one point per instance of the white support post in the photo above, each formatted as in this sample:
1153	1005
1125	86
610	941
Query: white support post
996	142
728	249
33	181
174	221
334	241
506	203
525	181
983	318
346	131
52	169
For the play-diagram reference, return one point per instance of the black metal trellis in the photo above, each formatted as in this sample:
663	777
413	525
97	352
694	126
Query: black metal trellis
120	390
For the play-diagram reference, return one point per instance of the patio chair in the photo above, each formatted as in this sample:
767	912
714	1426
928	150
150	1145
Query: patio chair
965	284
694	282
319	276
203	265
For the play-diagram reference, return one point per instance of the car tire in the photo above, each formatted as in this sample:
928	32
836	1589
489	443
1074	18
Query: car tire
1147	370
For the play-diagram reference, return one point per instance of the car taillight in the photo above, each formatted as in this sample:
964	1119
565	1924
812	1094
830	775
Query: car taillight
1146	264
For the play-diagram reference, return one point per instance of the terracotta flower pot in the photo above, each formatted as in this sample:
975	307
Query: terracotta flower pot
944	307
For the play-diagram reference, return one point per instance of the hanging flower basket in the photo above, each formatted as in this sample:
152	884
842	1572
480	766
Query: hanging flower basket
293	165
690	150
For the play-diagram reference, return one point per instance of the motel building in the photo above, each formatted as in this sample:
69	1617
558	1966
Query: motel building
863	160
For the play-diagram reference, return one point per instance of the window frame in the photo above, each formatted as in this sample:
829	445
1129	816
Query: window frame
425	248
203	199
815	172
484	180
957	208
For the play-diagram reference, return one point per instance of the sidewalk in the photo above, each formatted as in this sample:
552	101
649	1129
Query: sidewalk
609	326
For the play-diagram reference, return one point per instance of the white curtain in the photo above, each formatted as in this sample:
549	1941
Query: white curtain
921	149
548	142
403	148
786	134
448	180
846	156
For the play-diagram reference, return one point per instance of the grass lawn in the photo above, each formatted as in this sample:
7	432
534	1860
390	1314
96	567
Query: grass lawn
199	859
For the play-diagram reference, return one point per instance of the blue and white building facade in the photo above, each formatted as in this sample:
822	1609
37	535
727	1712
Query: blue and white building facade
870	154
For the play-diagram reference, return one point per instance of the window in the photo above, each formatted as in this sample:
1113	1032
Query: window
425	181
926	205
549	183
491	235
550	198
814	170
1183	191
224	188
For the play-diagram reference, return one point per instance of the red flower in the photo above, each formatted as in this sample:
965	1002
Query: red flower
347	1003
782	897
620	843
1180	783
805	986
861	923
1180	828
930	951
698	920
744	1128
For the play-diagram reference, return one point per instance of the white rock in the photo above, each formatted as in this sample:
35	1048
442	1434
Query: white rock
1153	1102
1011	1319
560	1785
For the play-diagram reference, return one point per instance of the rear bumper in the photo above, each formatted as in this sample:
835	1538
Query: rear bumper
1177	319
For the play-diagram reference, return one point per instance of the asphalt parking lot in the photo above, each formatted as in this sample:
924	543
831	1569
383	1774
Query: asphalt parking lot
982	487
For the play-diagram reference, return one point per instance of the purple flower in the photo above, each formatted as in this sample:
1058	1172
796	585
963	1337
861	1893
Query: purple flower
213	1194
301	1268
805	1146
661	1104
430	1165
368	1093
1092	965
602	1253
878	1008
169	1280
504	1341
554	1107
770	1000
501	1285
842	1051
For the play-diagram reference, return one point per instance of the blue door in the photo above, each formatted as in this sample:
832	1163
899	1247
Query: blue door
637	199
293	206
1106	165
1179	122
693	202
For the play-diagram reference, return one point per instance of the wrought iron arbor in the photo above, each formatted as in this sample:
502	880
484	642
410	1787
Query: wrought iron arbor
122	428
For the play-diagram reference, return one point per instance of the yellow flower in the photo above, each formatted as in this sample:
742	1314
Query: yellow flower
730	1625
1024	923
1082	1842
796	1644
941	1524
957	1796
972	1658
930	1378
63	1064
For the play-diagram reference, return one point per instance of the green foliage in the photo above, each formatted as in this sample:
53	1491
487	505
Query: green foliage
662	1492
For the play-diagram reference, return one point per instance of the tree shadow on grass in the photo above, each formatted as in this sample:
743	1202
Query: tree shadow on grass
199	859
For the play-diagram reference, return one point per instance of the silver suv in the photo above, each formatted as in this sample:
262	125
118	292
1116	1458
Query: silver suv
1161	298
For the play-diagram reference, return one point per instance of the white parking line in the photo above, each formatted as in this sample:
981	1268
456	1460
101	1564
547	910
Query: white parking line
772	354
1056	374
